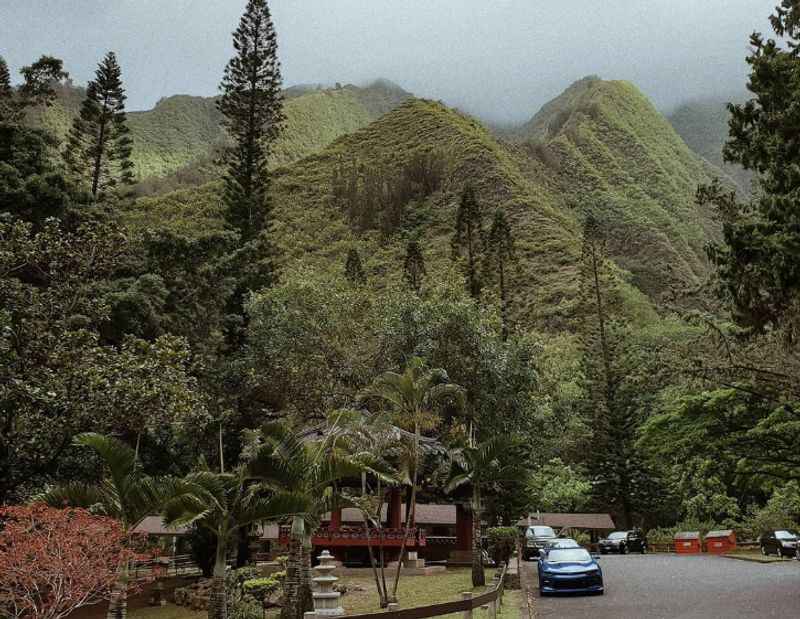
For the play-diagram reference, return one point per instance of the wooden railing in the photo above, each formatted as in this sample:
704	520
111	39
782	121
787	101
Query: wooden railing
356	536
491	600
178	565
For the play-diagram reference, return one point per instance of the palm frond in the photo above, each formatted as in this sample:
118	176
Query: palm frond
457	481
78	494
118	457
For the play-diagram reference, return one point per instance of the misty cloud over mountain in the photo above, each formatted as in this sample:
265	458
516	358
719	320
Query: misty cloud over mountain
499	60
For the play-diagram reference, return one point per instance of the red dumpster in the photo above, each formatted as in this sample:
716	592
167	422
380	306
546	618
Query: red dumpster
687	542
720	542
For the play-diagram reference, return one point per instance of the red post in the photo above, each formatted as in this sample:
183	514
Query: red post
463	528
336	519
395	508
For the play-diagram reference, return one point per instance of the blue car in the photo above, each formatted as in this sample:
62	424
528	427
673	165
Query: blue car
569	570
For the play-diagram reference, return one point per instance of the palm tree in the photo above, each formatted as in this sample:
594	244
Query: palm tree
478	465
414	398
306	464
379	448
224	503
126	494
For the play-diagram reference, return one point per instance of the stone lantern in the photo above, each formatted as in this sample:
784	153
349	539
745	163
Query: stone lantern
327	602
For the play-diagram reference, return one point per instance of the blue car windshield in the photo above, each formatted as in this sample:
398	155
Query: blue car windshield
618	535
568	555
785	535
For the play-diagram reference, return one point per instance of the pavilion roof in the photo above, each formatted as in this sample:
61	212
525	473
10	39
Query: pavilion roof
601	522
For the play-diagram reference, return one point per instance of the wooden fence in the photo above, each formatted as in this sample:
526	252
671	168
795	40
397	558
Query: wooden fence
491	601
178	565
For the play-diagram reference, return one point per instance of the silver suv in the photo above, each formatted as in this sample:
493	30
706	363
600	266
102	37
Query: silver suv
536	540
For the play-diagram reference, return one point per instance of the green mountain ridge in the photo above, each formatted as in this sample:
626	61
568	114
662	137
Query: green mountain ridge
182	130
615	156
612	154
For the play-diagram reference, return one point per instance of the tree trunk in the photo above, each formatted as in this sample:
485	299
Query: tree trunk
410	512
373	564
218	597
478	574
304	597
243	547
291	584
118	603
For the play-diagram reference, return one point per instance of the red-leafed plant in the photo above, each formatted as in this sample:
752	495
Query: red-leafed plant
53	561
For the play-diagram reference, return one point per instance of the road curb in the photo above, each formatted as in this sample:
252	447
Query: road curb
756	559
527	584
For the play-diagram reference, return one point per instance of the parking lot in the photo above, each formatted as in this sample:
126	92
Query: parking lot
683	587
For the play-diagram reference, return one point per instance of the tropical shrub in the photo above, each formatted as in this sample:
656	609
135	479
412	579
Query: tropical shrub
54	561
782	511
242	603
261	588
502	543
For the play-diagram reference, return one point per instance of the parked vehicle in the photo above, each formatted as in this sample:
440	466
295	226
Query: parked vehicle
570	570
781	543
561	542
536	538
624	542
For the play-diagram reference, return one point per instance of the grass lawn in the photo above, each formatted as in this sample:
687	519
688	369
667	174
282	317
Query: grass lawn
170	611
424	590
413	591
752	554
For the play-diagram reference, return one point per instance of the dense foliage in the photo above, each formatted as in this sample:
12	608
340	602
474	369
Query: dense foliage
523	308
55	561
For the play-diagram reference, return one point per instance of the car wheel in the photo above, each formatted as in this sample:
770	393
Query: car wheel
623	550
764	551
603	552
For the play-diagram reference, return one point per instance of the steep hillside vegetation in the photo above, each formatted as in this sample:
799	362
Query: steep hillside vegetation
176	131
601	148
703	125
314	230
180	132
612	154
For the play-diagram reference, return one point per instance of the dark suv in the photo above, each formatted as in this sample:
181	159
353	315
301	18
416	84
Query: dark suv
536	540
781	543
623	542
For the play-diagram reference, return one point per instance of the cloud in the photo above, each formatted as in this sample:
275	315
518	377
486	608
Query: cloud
499	59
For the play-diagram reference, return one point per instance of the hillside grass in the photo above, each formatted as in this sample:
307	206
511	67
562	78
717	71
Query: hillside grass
312	231
180	133
616	157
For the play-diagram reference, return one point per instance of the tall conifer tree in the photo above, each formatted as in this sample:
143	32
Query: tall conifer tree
99	146
8	113
414	270
757	260
468	238
499	257
252	105
622	482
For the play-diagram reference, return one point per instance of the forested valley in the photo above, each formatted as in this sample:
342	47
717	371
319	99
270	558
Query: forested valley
606	310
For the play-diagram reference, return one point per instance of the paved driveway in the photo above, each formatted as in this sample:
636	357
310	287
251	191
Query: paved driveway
684	587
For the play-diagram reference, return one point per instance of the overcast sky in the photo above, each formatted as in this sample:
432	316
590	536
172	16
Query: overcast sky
499	59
